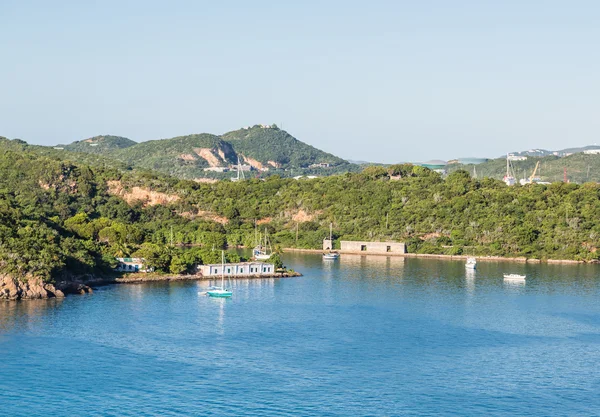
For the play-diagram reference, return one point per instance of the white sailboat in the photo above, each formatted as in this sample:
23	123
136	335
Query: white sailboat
509	179
471	263
331	255
262	252
220	292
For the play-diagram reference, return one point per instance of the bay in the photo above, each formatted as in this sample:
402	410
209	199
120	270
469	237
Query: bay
359	336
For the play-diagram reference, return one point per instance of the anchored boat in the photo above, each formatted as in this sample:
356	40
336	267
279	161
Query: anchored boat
220	292
514	277
471	263
263	251
331	255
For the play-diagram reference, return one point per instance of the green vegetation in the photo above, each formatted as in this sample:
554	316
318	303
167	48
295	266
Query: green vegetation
99	144
273	145
60	219
187	157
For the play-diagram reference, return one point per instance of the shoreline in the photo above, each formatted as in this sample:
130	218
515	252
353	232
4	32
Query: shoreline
141	277
450	257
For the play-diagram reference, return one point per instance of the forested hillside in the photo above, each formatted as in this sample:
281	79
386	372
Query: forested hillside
62	219
275	148
99	144
269	150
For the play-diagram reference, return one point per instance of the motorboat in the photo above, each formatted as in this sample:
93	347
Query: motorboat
471	263
514	277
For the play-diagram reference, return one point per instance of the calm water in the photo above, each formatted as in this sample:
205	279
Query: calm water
361	336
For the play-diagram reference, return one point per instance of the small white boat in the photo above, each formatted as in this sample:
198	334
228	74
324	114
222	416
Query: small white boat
262	252
471	263
514	277
331	255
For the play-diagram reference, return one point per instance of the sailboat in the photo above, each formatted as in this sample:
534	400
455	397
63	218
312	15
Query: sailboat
471	263
331	255
509	179
220	292
263	252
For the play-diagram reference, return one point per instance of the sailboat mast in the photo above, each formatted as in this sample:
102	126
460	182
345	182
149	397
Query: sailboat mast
222	269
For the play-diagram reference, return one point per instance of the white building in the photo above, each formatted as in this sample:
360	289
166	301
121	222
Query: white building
512	157
132	265
242	269
216	169
592	151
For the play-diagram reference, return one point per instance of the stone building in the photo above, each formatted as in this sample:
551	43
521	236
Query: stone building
372	247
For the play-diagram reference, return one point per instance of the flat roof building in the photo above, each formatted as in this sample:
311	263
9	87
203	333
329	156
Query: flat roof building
240	269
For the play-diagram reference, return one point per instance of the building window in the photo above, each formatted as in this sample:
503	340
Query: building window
388	249
363	248
241	270
229	270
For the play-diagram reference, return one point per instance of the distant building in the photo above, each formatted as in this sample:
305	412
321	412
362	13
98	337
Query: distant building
305	177
132	265
216	169
241	167
320	165
592	152
237	269
513	157
368	247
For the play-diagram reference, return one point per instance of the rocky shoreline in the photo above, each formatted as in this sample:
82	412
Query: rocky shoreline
32	288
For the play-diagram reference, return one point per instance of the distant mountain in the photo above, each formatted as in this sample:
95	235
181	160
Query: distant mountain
266	149
99	144
263	146
182	156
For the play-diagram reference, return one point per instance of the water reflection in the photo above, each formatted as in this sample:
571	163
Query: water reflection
26	314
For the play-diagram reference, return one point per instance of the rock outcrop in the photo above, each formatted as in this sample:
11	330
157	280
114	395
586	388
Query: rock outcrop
31	288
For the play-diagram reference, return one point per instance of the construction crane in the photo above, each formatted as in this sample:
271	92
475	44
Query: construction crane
532	177
534	171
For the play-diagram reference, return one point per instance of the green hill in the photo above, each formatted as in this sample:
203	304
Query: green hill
99	144
183	156
269	150
276	148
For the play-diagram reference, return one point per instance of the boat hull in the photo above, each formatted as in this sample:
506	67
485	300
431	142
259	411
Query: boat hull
219	293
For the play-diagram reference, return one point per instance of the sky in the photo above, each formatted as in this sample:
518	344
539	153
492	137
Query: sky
381	81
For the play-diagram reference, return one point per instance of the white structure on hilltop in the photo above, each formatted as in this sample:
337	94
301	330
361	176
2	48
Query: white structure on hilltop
592	152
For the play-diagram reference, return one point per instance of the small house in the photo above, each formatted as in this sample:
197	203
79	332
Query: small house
132	265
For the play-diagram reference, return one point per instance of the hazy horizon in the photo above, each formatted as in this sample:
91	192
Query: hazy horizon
383	82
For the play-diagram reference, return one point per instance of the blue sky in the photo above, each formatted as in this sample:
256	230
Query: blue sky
382	81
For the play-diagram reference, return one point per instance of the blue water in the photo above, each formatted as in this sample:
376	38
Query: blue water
360	336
